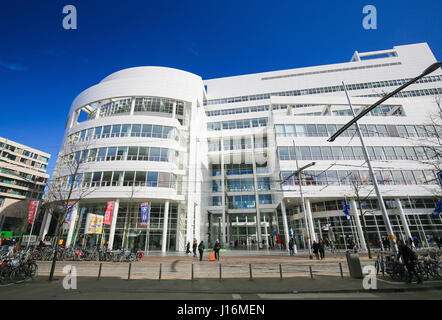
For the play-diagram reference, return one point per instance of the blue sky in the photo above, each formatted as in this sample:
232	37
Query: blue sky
43	67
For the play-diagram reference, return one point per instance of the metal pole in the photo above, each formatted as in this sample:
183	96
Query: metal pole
130	268
220	274
280	271
307	226
99	271
311	272
250	269
340	269
159	274
373	178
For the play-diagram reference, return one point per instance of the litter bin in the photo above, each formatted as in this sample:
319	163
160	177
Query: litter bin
354	265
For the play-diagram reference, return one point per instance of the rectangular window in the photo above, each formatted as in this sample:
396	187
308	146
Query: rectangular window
129	177
152	179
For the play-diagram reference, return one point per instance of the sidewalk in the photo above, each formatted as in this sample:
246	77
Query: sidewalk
117	288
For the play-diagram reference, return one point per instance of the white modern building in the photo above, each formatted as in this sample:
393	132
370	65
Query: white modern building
209	155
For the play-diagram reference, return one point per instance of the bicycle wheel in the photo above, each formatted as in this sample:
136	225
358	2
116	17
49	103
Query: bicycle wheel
18	275
5	275
32	270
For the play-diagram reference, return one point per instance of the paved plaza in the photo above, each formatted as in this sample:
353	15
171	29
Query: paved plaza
237	276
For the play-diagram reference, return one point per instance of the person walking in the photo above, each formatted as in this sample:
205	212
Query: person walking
315	247
188	248
292	251
409	258
216	248
321	249
194	246
201	248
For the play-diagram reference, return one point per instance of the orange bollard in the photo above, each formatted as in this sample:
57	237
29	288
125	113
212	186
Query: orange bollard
212	256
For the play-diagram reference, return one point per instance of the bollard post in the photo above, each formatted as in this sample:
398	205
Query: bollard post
280	271
130	268
220	274
311	272
99	271
250	269
340	268
159	274
192	272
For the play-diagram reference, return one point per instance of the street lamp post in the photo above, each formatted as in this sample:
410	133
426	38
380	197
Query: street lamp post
373	178
298	172
427	71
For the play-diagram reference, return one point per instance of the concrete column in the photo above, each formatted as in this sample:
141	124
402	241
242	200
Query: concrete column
255	183
165	225
174	110
310	220
47	223
132	106
223	197
110	241
266	233
358	224
286	227
72	224
403	219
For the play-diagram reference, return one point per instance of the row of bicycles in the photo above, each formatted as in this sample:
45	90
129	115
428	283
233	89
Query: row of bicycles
95	254
17	267
428	266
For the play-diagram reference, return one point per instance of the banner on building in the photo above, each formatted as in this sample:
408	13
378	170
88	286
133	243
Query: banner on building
94	224
144	213
69	212
32	210
109	212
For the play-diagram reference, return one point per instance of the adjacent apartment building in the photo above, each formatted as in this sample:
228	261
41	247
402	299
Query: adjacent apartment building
22	178
209	155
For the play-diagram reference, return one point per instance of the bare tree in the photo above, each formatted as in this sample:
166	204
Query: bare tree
67	187
361	194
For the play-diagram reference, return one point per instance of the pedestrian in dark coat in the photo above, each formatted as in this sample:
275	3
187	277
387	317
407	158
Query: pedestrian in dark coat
315	248
216	248
291	248
195	245
321	249
201	248
409	258
188	248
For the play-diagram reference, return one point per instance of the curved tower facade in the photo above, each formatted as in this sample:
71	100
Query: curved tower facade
132	139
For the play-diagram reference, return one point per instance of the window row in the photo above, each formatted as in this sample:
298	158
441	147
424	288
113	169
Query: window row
242	202
123	153
119	178
147	104
237	124
356	153
335	205
123	130
236	111
411	93
367	130
239	144
242	184
115	107
361	177
36	156
355	86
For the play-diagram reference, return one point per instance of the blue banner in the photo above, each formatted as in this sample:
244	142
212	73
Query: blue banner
69	213
144	213
346	210
437	210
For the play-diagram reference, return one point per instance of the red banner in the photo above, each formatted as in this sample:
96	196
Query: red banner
32	210
108	214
